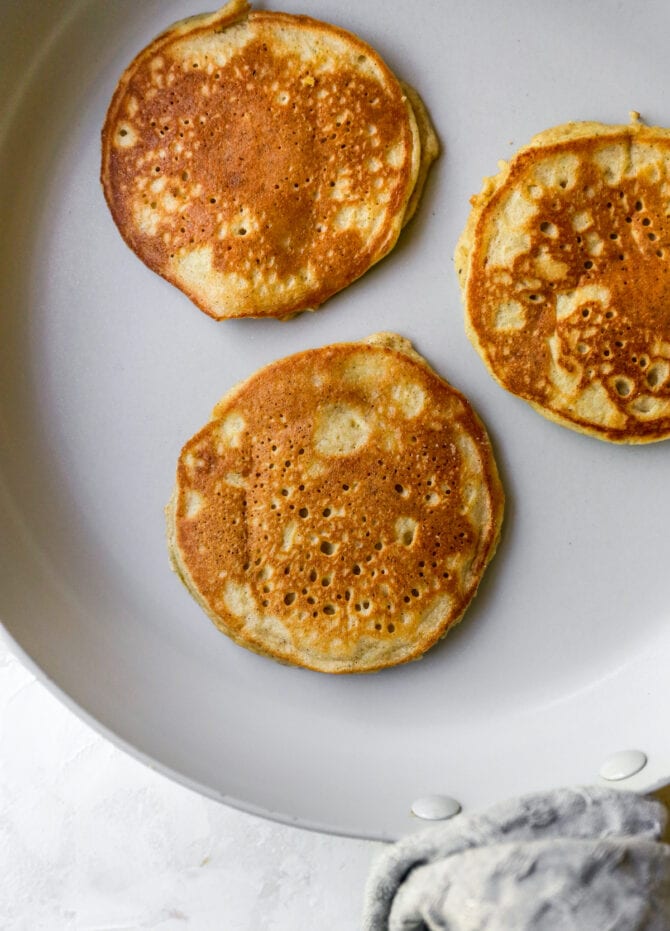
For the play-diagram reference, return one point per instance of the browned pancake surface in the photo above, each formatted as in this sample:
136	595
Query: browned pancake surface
260	161
565	267
339	509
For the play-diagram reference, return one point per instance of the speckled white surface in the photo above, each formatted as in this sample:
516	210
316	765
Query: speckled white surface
92	839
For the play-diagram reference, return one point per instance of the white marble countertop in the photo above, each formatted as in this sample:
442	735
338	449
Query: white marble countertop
92	839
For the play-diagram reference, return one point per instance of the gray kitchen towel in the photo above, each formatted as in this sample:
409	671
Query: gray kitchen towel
584	859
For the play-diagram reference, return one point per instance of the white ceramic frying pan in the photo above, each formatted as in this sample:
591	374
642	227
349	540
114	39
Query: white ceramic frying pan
564	657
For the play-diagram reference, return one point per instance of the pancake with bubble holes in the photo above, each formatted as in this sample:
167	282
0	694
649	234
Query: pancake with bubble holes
565	272
261	161
339	509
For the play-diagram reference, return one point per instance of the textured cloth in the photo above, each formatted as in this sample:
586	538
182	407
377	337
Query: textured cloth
584	859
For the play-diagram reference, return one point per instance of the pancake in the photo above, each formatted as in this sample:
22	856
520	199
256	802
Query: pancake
261	161
339	509
565	272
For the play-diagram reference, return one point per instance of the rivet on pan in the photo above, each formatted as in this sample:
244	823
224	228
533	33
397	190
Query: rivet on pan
435	807
622	765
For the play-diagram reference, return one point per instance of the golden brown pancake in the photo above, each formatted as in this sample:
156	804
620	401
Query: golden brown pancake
565	272
262	161
339	509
